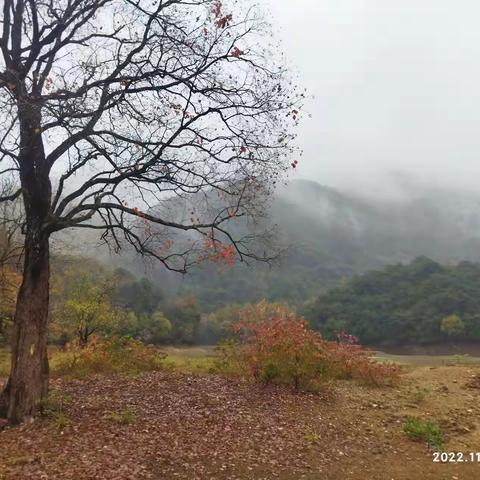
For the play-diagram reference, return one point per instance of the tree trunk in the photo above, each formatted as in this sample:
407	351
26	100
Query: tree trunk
27	385
28	382
83	337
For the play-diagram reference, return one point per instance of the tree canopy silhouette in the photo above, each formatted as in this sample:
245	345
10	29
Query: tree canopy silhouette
108	107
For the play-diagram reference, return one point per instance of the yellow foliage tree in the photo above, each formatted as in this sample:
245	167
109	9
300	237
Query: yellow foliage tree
9	283
10	277
82	306
453	326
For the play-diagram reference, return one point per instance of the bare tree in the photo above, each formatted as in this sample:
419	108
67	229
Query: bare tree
109	107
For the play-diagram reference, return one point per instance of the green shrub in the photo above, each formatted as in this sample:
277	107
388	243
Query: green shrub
230	359
424	430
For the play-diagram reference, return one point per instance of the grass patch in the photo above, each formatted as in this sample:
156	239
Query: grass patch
417	395
60	420
190	364
124	417
428	360
55	406
312	437
19	461
130	359
424	430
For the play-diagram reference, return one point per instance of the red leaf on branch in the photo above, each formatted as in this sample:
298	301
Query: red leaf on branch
236	52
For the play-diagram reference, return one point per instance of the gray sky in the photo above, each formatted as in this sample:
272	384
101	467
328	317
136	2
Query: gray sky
396	86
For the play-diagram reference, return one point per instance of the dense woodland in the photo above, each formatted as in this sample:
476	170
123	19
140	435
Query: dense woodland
417	303
421	302
89	300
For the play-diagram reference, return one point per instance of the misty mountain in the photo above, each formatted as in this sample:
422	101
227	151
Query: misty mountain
443	225
333	235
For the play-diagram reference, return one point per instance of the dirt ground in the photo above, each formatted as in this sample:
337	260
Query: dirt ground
177	426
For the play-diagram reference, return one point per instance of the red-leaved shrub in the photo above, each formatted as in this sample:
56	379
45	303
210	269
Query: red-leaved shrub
349	360
274	346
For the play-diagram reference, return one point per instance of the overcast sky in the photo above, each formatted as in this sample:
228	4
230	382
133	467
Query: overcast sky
396	86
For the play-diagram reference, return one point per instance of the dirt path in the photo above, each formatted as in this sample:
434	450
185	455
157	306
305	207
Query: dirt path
172	426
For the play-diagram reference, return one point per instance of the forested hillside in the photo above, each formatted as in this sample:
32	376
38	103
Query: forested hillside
329	236
421	302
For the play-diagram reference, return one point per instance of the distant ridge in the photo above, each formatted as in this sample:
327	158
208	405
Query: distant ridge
332	235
